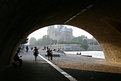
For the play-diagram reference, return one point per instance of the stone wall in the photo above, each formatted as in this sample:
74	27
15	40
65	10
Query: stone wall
19	18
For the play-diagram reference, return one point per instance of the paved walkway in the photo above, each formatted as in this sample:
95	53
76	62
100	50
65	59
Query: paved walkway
40	70
32	71
79	62
89	69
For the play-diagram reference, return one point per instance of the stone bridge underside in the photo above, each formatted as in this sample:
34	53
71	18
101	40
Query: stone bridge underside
101	18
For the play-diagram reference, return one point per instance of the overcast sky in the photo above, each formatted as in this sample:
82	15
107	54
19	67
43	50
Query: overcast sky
43	31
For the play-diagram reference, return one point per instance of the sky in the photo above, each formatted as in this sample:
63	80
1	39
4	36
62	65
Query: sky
43	31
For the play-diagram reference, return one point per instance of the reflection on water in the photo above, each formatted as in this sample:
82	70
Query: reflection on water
94	54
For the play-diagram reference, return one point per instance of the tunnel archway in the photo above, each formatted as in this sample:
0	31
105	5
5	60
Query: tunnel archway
19	18
68	26
81	26
34	29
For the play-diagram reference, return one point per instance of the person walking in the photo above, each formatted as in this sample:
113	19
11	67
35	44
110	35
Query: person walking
36	52
49	54
27	48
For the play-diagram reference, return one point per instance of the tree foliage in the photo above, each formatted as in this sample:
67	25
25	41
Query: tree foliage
32	41
24	41
45	40
84	44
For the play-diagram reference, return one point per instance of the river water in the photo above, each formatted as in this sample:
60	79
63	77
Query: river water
94	54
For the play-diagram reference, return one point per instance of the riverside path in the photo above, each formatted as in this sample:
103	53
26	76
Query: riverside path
75	69
32	70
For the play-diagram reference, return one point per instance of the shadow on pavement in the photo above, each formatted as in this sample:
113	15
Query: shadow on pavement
32	71
83	75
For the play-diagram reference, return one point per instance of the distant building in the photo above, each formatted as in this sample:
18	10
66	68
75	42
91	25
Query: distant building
83	37
60	33
63	33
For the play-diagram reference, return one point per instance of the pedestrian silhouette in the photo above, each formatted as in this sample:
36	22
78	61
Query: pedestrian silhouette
49	54
27	48
17	58
36	52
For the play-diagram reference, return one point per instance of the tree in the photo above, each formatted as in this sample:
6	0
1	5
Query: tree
84	44
32	41
77	39
38	42
24	41
54	41
46	40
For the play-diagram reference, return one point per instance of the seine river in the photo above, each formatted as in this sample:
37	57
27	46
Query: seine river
94	54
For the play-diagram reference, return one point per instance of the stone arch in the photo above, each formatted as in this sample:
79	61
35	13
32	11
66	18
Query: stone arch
36	28
17	17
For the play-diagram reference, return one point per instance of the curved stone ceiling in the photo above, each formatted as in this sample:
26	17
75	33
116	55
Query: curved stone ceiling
100	18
